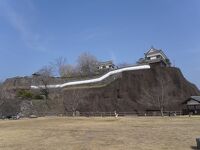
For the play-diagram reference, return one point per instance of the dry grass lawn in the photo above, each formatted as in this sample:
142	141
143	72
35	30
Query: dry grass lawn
128	133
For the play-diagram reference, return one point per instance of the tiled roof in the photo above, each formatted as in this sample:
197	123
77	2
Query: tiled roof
154	52
197	98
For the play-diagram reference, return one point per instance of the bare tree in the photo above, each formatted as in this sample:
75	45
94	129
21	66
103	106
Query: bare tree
69	70
44	77
60	64
87	64
65	69
46	71
158	95
72	101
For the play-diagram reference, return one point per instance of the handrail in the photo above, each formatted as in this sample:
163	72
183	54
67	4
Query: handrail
93	80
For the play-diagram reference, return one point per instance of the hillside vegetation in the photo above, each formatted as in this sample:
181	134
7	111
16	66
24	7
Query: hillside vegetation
138	91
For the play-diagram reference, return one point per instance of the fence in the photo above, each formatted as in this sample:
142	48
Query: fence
99	114
121	114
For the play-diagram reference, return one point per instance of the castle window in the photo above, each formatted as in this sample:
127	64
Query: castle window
158	56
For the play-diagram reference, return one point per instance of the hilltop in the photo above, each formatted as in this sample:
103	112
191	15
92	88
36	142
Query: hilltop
150	86
128	91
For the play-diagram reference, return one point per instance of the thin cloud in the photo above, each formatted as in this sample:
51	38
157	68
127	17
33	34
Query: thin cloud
92	34
18	22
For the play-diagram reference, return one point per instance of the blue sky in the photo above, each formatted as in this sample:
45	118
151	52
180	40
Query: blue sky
36	32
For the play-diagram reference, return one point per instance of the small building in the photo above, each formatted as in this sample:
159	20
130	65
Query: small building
36	74
192	105
155	57
108	65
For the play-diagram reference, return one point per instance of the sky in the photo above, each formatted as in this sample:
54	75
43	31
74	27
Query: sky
34	33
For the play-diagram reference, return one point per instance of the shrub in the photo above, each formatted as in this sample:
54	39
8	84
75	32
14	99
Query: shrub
24	94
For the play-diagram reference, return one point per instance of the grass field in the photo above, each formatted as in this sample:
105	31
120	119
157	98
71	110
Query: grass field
128	133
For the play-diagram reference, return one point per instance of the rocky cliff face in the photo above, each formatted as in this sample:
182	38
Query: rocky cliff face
139	91
134	91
